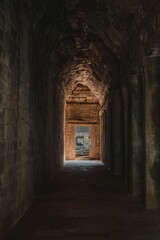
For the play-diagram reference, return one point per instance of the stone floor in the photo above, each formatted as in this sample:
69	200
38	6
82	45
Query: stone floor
85	202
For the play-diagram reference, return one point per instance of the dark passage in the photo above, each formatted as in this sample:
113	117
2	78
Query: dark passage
86	63
87	203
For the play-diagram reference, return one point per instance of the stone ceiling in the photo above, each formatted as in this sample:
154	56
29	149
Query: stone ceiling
82	94
83	40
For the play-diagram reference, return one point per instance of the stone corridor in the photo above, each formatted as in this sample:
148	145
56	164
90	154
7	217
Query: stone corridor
76	64
86	202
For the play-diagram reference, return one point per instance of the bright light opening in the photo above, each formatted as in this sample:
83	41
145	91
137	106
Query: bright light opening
82	142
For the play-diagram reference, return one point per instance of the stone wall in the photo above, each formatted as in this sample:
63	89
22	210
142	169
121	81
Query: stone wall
54	130
82	112
21	121
142	34
141	46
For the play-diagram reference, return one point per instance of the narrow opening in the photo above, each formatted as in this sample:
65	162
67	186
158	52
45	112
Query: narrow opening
82	125
82	142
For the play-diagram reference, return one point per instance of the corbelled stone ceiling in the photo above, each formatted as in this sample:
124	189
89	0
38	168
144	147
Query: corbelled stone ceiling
82	94
83	40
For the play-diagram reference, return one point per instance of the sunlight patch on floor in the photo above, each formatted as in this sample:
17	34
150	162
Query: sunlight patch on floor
93	163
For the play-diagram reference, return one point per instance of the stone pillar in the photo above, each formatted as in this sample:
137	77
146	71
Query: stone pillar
102	137
108	137
105	136
95	142
127	164
70	153
117	132
136	127
152	130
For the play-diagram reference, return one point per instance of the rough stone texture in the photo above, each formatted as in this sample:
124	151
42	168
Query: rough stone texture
70	153
58	133
117	139
152	96
137	139
95	142
140	42
142	35
47	49
108	146
21	128
105	136
127	135
82	112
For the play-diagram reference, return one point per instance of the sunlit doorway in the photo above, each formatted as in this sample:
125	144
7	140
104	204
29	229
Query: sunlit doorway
82	142
82	125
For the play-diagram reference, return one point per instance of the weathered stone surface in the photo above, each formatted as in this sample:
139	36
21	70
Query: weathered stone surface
117	132
152	99
22	147
136	133
48	49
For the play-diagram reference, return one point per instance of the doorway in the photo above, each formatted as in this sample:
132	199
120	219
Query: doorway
82	142
82	125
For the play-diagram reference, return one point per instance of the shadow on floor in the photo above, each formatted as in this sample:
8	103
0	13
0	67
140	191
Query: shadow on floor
85	202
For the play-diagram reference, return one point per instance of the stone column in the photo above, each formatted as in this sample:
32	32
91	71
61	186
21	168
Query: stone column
108	137
104	137
70	141
136	127
127	164
95	142
102	131
117	132
152	130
